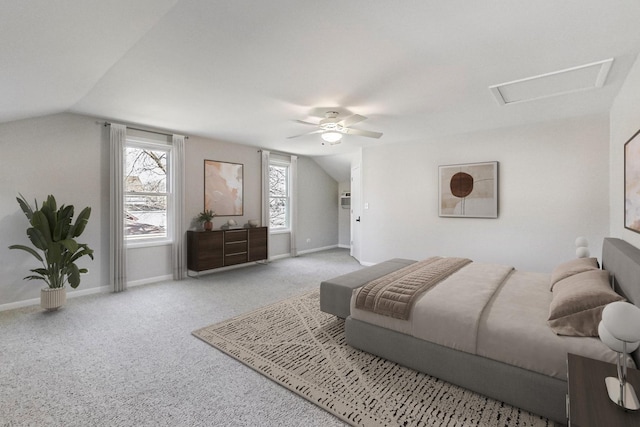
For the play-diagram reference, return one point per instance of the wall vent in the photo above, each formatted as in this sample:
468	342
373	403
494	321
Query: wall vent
576	79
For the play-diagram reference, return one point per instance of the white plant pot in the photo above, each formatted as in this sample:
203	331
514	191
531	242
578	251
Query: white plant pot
53	298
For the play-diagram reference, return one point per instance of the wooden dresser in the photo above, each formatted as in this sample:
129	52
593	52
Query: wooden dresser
207	250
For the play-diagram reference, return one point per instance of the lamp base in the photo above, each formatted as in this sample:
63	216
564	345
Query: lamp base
630	399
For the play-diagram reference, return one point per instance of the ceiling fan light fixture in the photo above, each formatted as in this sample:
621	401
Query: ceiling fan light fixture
331	137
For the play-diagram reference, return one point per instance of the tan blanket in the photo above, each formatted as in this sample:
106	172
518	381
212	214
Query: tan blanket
394	294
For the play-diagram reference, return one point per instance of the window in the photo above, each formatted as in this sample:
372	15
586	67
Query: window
279	197
146	192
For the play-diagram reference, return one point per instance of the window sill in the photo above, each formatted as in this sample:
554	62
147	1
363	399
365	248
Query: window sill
133	244
280	231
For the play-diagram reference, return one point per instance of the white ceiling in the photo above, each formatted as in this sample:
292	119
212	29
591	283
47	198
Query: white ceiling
242	71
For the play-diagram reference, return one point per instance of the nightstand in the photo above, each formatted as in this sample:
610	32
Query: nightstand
588	402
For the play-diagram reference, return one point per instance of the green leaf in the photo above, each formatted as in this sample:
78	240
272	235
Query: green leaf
24	205
27	249
51	202
37	239
54	254
84	251
81	222
63	223
40	222
35	278
73	276
70	244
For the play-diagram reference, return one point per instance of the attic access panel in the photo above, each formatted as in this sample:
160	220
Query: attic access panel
576	79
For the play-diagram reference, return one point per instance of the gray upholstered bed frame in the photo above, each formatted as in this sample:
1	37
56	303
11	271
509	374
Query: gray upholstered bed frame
519	387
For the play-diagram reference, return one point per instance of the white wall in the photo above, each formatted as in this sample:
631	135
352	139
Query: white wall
625	122
553	187
65	155
317	207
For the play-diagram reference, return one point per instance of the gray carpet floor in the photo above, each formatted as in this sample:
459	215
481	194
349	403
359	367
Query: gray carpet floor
129	359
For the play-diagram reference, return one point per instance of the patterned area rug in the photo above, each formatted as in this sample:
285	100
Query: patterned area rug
303	349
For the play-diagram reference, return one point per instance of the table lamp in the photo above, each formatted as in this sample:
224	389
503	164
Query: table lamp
620	331
582	247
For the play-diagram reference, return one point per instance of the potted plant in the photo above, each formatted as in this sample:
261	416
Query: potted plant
205	217
54	237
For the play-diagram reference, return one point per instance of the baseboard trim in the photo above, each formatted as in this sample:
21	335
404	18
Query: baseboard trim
308	251
345	246
83	292
146	281
70	294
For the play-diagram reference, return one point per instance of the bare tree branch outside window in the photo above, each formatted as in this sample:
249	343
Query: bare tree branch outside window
145	192
278	196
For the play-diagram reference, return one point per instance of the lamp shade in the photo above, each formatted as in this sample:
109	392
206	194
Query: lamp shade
614	343
582	252
331	136
582	242
622	321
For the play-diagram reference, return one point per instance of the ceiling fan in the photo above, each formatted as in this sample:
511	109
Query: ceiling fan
331	128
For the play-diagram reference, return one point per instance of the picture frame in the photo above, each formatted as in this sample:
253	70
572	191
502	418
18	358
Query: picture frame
224	187
468	190
632	183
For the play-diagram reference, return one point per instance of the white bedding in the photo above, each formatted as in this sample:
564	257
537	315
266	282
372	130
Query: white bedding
496	312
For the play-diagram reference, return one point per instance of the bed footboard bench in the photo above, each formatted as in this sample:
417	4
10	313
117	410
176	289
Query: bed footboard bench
335	294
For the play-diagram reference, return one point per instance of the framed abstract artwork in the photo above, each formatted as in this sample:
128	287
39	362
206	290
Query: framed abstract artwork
632	183
223	187
469	190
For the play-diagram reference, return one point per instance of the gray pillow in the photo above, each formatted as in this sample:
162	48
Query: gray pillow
578	301
569	268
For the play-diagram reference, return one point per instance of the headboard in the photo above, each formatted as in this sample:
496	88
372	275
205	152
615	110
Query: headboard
622	261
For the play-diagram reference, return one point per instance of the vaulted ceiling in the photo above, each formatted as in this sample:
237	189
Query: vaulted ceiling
243	71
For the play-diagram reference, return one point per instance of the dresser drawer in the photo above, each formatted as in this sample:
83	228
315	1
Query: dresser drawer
235	259
235	236
235	248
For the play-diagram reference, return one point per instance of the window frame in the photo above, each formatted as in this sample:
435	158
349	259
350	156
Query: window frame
140	241
287	227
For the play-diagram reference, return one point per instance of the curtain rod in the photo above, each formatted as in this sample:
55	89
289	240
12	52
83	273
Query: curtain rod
145	130
282	153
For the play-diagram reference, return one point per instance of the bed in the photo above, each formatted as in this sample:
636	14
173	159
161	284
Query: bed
490	363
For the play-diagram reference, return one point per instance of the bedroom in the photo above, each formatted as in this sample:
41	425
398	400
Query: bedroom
560	177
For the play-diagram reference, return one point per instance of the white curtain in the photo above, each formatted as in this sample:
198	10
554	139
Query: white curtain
178	247
118	253
293	199
265	189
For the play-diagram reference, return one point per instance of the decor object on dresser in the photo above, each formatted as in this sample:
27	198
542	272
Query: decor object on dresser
632	183
303	349
223	187
469	190
205	218
207	250
53	235
620	331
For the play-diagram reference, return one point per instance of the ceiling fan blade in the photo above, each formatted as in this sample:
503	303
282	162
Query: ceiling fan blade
360	132
306	133
306	123
351	120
